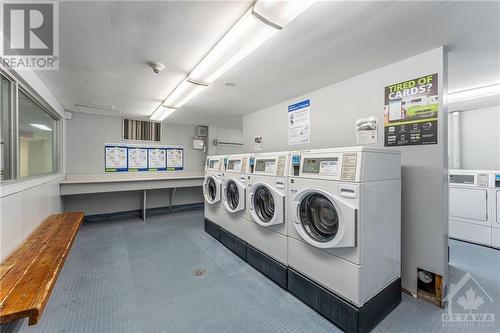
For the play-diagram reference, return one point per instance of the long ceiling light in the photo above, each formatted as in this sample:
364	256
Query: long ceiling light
257	25
474	93
162	113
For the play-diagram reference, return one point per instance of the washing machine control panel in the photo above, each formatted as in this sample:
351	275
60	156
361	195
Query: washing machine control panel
274	166
321	165
342	166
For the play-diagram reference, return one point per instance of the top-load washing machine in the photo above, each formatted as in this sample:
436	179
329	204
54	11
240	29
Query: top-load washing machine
494	196
212	187
234	193
344	211
470	216
268	186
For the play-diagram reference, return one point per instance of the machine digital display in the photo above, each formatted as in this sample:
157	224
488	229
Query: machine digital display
260	165
497	180
320	165
462	179
311	165
233	165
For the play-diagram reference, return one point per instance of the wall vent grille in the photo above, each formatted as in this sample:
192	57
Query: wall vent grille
141	130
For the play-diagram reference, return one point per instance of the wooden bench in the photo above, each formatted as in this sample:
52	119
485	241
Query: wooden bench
29	274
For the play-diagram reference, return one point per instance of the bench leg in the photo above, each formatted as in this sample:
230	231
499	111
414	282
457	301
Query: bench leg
171	196
143	205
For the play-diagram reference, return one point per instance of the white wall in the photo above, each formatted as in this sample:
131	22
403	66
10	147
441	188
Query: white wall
23	211
86	136
224	135
480	138
334	110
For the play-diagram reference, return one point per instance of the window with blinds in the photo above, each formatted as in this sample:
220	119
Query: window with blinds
141	130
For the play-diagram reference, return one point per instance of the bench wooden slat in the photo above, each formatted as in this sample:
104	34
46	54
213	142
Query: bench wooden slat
26	254
30	293
39	274
43	295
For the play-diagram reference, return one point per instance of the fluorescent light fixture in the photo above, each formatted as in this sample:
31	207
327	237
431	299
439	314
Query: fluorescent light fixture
281	12
42	127
162	113
259	23
264	19
183	93
244	37
473	93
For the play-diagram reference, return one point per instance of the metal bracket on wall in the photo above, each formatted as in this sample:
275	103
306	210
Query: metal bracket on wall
222	143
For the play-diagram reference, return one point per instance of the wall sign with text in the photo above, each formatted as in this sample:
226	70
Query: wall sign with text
135	158
411	112
299	127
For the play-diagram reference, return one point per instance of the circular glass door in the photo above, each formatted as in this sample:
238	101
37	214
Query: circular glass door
232	194
211	188
263	202
319	217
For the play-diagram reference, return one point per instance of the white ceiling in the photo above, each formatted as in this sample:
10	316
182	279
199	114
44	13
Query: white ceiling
104	47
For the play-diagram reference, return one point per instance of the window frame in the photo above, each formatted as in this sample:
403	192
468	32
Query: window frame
18	84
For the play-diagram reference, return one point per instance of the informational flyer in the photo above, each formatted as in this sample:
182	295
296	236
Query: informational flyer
299	123
115	158
137	159
411	112
175	159
366	130
157	159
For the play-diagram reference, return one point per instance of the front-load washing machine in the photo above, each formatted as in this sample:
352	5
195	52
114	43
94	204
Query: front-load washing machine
234	194
469	215
495	205
268	184
212	188
344	211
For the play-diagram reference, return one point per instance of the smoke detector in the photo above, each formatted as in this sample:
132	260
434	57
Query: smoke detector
157	67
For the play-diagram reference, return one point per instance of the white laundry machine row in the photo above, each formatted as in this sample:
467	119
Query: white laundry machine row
472	215
494	196
344	245
266	233
212	185
323	224
232	216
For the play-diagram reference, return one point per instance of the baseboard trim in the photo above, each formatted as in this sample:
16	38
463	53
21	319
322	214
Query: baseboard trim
137	213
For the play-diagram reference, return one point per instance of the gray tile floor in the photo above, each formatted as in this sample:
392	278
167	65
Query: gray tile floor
129	276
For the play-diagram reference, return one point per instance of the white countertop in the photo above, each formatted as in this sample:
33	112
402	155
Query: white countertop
130	177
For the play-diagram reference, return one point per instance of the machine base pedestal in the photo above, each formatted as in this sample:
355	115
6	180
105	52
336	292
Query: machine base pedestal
340	312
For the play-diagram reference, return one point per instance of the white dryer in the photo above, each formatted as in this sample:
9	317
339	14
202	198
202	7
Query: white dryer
268	186
495	206
470	216
212	188
234	194
344	211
